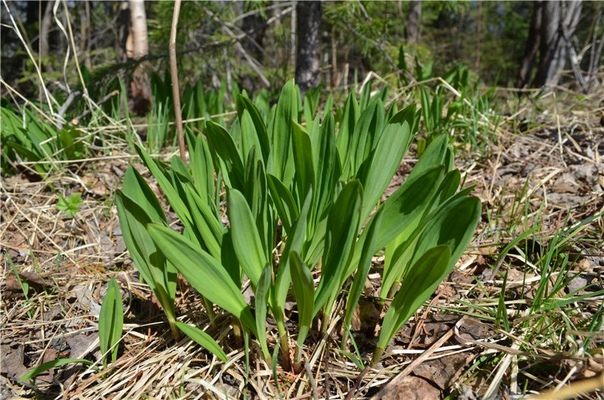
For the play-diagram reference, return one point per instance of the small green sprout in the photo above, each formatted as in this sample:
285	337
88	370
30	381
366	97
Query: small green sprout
70	205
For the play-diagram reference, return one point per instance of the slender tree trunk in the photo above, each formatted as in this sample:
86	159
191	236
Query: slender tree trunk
551	35
254	26
137	47
532	47
45	36
308	27
413	27
138	17
560	19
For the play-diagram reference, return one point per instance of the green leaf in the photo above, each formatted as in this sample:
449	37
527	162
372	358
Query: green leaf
368	250
304	292
202	339
342	230
347	126
262	295
281	163
59	362
404	207
174	198
422	280
245	104
203	272
303	160
207	225
71	205
453	224
295	243
152	265
246	240
386	159
435	154
327	172
221	144
202	168
283	201
111	322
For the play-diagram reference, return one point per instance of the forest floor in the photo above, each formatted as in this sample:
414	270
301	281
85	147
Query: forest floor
521	313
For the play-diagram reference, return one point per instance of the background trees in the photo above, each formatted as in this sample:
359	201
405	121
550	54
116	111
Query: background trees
551	39
262	44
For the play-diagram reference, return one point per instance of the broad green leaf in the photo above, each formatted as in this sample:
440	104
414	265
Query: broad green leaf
202	168
245	104
342	230
221	145
256	195
304	292
347	126
262	295
202	339
404	207
366	132
151	264
327	173
111	322
295	243
250	145
368	250
173	196
203	272
177	165
434	154
303	160
136	188
453	225
246	240
281	163
59	362
387	156
208	227
283	201
229	260
422	280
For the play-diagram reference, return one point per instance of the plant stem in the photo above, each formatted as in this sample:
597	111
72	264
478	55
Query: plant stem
174	76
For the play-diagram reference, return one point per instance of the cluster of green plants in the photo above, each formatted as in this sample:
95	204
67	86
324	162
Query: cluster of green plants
450	103
199	104
285	198
28	136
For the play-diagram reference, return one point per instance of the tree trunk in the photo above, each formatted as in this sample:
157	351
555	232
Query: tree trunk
532	47
560	19
137	47
45	36
308	30
413	27
551	35
254	26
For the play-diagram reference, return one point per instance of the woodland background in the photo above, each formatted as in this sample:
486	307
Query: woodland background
261	44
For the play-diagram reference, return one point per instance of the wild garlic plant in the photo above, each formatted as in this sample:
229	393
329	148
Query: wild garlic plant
305	215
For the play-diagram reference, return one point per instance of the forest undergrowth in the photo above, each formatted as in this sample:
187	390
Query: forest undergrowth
521	313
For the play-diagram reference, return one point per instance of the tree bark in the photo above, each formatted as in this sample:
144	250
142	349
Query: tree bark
308	50
551	35
254	26
45	37
137	47
532	47
560	19
413	27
